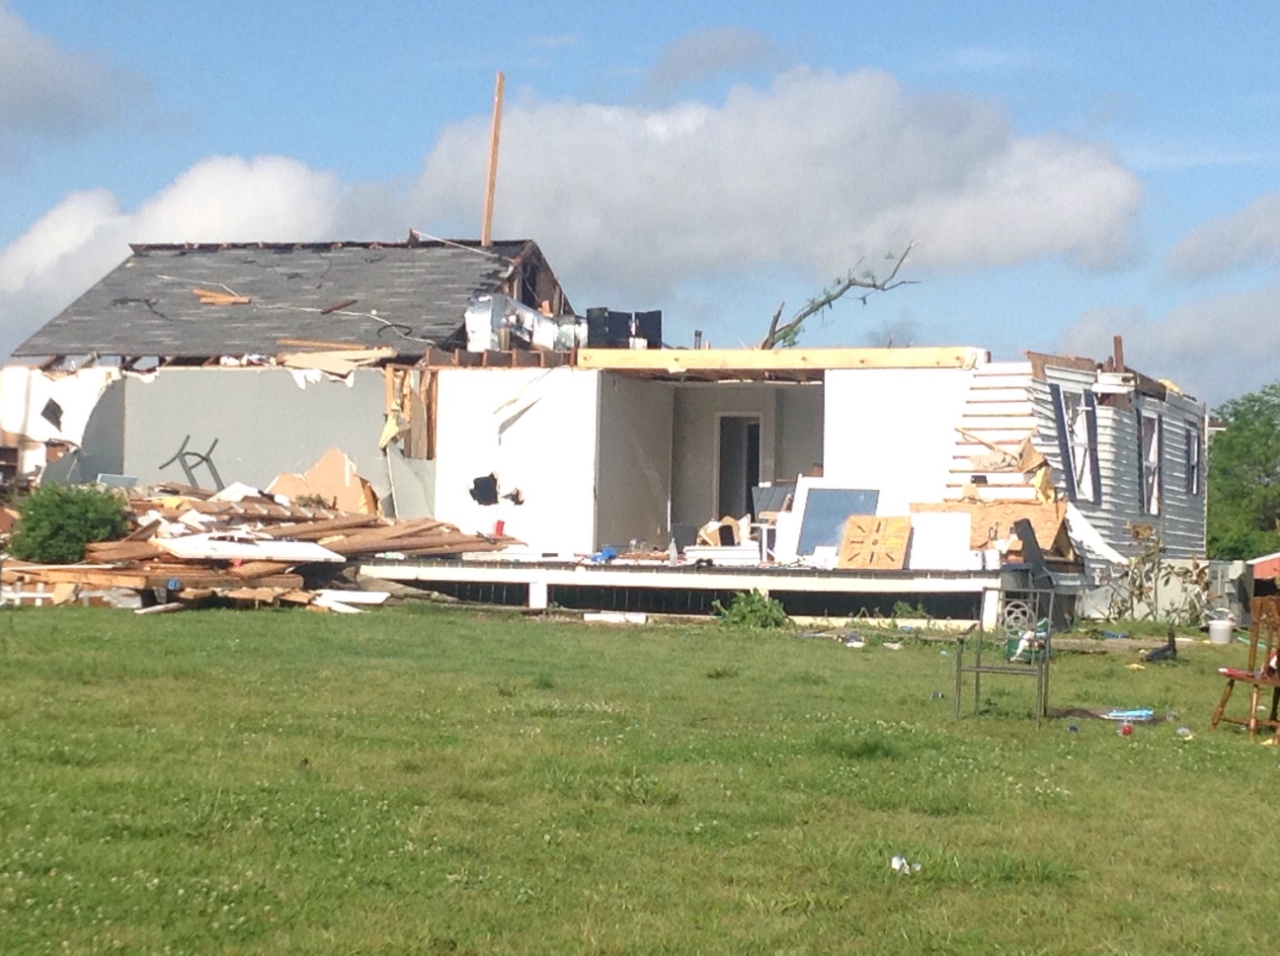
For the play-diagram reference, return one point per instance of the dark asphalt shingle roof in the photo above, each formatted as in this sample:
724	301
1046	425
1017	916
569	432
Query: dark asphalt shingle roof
145	306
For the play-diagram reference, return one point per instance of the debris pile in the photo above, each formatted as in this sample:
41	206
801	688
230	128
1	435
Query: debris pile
240	546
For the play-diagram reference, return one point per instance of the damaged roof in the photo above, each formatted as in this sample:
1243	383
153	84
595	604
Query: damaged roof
193	300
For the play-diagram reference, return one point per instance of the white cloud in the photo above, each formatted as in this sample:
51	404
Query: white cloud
1216	347
221	199
813	172
702	54
48	91
805	176
1248	237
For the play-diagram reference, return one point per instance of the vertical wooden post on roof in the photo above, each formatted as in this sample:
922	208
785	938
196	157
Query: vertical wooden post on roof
1117	344
491	183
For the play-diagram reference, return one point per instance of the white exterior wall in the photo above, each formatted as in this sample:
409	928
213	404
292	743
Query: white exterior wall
536	429
893	430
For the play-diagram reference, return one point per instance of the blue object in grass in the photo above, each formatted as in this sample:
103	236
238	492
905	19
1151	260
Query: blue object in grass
1142	713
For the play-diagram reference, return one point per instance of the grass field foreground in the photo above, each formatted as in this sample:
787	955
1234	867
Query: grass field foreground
423	780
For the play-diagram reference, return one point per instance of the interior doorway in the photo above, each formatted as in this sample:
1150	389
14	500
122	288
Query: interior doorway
739	464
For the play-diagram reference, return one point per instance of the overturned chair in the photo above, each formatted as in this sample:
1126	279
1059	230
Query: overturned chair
1262	670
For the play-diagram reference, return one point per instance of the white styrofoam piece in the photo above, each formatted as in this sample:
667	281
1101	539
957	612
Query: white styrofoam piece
337	606
211	547
940	542
353	597
787	538
615	617
237	491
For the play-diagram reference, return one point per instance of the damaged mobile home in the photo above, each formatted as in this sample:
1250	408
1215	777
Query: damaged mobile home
462	386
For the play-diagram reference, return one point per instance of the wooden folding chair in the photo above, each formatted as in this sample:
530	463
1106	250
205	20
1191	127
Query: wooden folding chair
1261	670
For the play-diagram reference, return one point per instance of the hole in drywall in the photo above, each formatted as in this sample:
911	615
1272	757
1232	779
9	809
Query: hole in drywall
485	489
52	413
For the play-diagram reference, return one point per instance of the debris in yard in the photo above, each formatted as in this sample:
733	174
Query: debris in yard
1125	729
1185	733
891	645
615	617
900	864
185	547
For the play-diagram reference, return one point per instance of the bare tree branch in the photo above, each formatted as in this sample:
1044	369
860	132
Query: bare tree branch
787	333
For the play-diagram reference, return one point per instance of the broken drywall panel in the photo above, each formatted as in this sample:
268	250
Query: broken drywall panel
334	480
547	452
51	406
893	429
414	484
941	541
263	423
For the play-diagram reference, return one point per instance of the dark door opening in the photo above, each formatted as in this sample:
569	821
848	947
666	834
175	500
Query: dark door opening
739	465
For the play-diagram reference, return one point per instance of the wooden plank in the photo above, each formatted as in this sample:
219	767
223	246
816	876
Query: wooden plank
772	360
143	533
258	569
432	401
142	579
455	542
315	530
112	551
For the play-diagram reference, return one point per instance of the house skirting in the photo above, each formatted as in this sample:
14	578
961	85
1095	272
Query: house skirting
959	596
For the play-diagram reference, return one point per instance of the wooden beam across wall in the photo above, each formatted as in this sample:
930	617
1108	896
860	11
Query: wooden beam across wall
674	361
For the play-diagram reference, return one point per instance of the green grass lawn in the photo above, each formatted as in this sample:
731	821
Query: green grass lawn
420	780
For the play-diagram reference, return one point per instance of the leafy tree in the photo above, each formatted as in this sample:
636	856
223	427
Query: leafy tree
56	522
1244	477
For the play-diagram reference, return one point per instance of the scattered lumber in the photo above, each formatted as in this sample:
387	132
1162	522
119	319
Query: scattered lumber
190	547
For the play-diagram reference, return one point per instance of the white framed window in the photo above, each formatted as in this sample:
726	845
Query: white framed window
1195	476
1076	416
1151	448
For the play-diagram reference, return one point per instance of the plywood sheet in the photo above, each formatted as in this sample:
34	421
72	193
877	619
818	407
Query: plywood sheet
876	544
1047	518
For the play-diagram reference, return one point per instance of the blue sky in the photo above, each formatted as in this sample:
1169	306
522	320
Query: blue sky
1070	173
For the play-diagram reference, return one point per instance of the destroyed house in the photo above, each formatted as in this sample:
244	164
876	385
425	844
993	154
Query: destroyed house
849	478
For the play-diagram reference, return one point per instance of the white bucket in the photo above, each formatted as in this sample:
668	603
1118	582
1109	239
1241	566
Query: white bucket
1220	632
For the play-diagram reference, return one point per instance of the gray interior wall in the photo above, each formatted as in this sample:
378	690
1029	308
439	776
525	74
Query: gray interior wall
695	442
800	409
102	451
634	464
263	422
